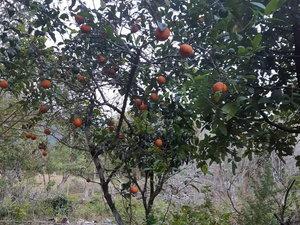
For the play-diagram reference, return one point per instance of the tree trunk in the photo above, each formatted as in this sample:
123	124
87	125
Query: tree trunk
105	190
63	181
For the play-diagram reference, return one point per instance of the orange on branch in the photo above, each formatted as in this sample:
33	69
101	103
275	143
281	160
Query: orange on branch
154	96
135	28
219	87
161	79
46	84
137	102
79	19
143	106
43	108
162	35
4	84
85	28
77	122
133	189
158	143
33	137
81	78
101	59
186	50
47	131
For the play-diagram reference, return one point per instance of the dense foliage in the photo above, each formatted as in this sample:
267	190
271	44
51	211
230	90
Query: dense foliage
130	98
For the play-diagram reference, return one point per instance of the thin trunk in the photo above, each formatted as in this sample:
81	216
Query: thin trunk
105	189
63	181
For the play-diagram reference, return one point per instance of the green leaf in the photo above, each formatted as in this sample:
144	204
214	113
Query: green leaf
204	168
230	109
64	16
256	40
223	129
273	5
241	50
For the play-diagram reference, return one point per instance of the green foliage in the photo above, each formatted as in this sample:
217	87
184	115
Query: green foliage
59	204
205	214
260	208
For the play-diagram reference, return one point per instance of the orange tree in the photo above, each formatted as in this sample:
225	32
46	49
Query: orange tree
135	82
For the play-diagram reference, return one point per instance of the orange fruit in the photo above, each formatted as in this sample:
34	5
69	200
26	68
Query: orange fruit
137	102
42	145
154	96
109	71
143	106
133	189
81	78
43	108
33	137
101	59
44	152
219	87
77	122
46	84
162	35
3	84
85	28
47	131
158	143
135	28
121	136
186	50
79	19
28	135
161	79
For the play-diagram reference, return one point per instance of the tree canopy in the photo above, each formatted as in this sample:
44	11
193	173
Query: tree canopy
223	85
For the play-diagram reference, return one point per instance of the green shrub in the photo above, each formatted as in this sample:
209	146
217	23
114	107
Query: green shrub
259	208
205	214
58	205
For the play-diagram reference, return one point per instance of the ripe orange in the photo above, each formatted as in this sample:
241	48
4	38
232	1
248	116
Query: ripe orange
77	122
46	84
85	28
158	143
42	145
44	152
101	59
109	71
137	102
154	96
33	137
135	28
133	189
43	108
3	84
161	79
28	135
47	131
219	86
162	35
81	78
186	50
79	19
121	136
143	106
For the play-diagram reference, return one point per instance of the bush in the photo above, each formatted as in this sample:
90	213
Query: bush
59	205
260	207
205	214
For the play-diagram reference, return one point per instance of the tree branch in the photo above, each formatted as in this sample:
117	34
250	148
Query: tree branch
278	126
